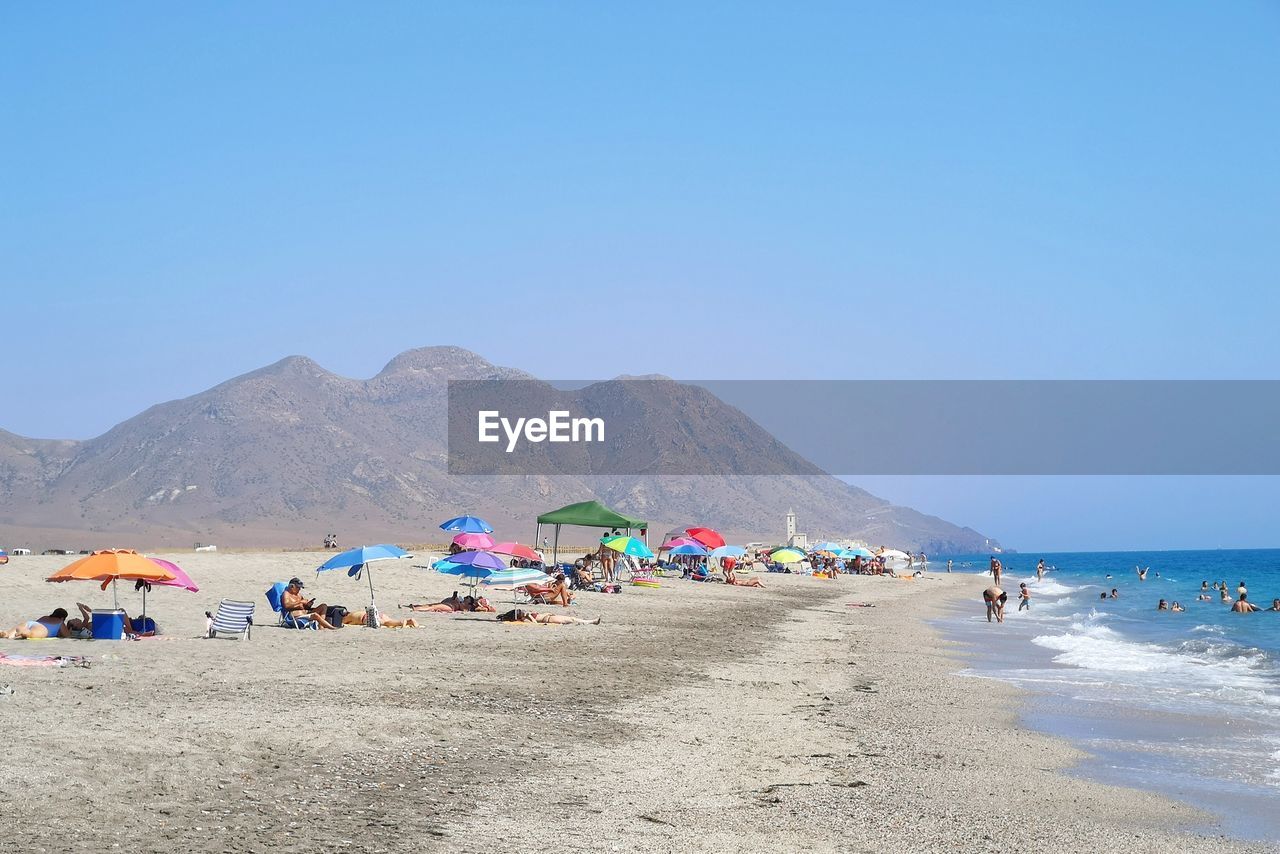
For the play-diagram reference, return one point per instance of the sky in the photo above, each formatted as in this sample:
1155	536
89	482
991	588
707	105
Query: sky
714	190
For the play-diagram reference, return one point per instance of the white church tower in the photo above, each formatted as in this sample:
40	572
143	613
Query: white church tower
791	525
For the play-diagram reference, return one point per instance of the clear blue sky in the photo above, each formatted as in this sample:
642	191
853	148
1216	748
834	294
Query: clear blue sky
809	190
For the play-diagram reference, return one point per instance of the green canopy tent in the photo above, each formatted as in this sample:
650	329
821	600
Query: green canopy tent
587	514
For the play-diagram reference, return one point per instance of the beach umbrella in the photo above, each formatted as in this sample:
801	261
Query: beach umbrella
858	551
787	555
180	579
516	550
111	565
466	525
627	546
515	577
689	549
728	551
827	546
474	541
472	565
709	538
678	541
355	561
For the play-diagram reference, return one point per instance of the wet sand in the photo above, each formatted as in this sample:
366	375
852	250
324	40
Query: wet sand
696	717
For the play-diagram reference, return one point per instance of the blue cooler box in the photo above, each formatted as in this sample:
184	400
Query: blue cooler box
108	625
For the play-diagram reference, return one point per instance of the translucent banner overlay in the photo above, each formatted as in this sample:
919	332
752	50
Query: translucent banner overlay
849	427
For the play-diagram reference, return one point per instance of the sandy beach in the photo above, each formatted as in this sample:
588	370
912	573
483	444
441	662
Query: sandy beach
695	717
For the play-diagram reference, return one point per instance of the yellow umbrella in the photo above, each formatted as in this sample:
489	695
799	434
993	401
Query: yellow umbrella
787	555
109	565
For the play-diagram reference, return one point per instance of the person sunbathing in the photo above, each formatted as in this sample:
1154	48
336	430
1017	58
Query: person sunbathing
555	593
51	625
731	578
384	621
297	608
519	615
83	627
477	603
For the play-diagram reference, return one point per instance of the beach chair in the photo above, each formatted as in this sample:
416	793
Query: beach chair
275	595
233	618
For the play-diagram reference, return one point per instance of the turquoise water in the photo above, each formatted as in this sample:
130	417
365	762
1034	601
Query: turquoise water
1186	703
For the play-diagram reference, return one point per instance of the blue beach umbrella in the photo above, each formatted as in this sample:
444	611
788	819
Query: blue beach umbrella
466	525
728	551
688	549
355	561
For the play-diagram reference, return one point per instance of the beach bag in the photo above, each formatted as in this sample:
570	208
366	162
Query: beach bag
335	615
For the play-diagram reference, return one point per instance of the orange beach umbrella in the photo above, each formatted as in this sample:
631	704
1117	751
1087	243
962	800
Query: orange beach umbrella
109	565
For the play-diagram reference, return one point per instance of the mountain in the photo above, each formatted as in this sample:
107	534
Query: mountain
282	455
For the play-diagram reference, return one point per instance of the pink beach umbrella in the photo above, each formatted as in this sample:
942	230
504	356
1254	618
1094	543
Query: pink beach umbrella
180	579
676	542
515	550
474	541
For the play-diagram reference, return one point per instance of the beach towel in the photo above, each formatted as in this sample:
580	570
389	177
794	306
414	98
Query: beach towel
43	660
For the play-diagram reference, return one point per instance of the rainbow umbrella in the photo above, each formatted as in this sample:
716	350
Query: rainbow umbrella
709	538
474	541
787	555
627	546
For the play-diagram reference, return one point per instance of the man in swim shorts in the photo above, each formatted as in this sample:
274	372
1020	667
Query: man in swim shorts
995	598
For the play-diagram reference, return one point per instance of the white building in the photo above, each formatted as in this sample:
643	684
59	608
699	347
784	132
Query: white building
795	539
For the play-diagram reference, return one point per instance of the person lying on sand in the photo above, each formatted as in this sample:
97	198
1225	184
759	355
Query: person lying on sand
384	621
477	603
1244	606
519	615
51	625
293	605
730	577
83	627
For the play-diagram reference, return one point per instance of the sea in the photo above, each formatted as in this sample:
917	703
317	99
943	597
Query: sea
1184	703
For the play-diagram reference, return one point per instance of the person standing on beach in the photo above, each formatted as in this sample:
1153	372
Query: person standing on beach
995	598
996	569
948	564
1024	597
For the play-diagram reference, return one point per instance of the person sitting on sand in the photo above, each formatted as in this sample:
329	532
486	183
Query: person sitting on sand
51	625
994	598
730	577
1024	597
294	606
519	615
1244	606
83	627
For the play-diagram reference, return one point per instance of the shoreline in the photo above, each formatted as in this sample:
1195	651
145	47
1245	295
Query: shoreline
696	717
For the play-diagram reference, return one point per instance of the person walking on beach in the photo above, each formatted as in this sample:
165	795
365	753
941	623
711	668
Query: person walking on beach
995	598
948	564
1024	597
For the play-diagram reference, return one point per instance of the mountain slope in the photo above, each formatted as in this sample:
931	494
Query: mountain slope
284	454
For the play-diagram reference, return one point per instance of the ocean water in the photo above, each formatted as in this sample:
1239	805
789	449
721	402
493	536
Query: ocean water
1186	703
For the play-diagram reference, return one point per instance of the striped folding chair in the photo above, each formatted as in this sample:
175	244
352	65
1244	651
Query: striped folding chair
233	618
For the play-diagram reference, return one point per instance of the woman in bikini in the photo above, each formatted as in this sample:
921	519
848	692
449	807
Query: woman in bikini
519	615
